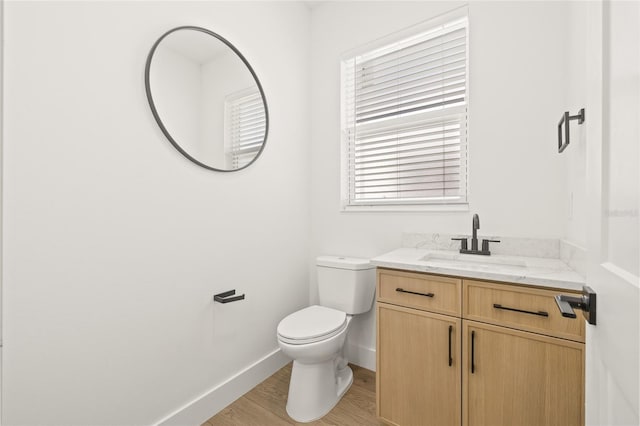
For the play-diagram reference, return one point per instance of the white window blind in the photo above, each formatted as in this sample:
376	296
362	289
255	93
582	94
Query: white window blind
245	126
404	119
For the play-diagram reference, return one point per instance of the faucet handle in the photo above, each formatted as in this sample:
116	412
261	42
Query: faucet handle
485	244
463	242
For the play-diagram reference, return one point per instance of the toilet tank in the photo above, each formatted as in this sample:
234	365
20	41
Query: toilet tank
346	283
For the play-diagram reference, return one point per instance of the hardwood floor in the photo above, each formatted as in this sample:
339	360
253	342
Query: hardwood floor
265	404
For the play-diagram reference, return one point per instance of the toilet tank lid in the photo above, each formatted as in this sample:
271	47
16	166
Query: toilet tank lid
344	262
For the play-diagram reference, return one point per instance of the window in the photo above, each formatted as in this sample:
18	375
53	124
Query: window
404	118
244	127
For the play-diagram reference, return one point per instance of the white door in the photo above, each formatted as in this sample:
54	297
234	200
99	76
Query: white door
613	187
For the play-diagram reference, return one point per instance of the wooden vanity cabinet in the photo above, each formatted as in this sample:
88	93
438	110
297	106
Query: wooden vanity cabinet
418	380
418	367
524	361
519	378
515	361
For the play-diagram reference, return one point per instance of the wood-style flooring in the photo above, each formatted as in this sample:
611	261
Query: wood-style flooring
265	404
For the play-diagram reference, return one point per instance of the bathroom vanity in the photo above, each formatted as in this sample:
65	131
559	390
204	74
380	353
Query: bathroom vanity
477	342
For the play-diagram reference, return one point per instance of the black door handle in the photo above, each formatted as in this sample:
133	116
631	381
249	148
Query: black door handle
414	292
586	302
473	352
450	358
539	313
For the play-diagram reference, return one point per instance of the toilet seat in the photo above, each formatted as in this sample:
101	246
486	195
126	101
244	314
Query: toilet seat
312	324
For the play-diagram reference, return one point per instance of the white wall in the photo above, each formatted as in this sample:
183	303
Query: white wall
574	156
1	149
114	243
517	93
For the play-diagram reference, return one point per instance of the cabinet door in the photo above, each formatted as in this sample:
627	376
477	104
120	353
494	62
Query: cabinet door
418	367
516	378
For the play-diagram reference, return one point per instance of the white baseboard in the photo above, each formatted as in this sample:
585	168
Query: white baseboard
361	356
205	406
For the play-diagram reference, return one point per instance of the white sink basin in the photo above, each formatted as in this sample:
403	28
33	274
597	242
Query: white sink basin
473	261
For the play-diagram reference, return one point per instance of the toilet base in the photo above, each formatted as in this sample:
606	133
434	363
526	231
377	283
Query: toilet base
315	389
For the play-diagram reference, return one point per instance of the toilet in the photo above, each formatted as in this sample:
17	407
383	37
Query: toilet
314	336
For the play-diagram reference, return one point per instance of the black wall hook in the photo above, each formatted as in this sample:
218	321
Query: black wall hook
226	297
566	118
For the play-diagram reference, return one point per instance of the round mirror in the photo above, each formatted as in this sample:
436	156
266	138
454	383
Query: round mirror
206	99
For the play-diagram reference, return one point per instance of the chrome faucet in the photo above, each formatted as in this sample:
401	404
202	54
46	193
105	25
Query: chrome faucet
475	225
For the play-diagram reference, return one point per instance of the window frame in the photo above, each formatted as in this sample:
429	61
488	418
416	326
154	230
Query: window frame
460	203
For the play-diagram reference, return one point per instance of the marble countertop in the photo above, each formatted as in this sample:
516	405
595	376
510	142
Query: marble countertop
542	272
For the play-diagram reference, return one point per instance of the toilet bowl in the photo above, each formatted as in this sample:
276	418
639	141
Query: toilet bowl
314	337
317	380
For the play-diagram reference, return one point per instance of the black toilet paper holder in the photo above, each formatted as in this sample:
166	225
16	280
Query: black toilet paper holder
227	296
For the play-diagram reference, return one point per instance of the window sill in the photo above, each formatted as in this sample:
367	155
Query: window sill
463	207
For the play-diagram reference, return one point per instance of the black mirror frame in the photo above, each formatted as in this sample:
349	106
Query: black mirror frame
157	117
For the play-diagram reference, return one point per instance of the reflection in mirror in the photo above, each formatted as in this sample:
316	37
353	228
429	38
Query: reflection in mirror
206	98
